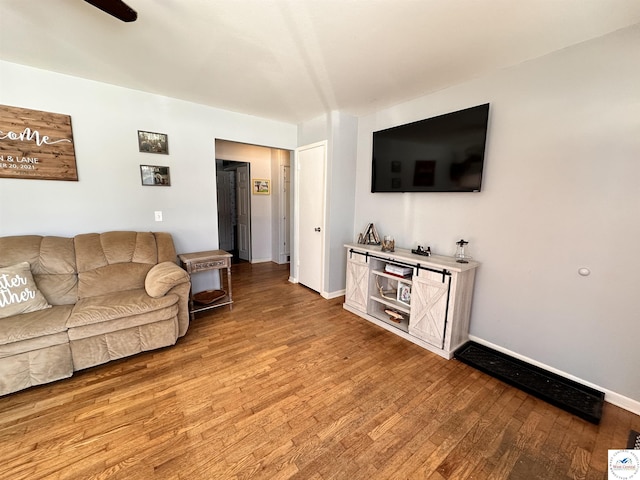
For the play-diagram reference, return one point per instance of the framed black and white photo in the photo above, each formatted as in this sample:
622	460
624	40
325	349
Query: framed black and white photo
155	176
151	142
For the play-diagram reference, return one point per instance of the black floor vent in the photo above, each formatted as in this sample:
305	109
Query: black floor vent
580	400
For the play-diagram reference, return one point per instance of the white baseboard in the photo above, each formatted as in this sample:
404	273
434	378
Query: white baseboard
260	260
330	295
611	397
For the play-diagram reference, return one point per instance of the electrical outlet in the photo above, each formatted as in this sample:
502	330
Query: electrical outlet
158	215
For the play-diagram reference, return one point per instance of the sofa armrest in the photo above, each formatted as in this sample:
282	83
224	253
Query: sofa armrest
163	277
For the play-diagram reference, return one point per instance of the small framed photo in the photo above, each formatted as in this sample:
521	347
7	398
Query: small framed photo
261	186
150	142
155	176
404	293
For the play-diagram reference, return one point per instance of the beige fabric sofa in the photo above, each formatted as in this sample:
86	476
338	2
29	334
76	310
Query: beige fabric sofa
112	295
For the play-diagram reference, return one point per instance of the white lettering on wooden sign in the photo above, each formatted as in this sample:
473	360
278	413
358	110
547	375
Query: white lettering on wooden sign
36	145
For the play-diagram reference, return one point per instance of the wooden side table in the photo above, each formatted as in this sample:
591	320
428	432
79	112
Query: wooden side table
203	261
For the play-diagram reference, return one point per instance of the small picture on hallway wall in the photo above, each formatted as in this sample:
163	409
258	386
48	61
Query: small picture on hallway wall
261	186
150	142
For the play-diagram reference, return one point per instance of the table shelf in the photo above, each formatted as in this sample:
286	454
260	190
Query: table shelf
210	260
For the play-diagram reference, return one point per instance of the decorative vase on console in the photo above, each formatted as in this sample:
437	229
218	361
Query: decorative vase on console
461	257
388	243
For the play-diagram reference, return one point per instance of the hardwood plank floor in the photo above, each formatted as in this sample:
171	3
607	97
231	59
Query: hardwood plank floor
290	385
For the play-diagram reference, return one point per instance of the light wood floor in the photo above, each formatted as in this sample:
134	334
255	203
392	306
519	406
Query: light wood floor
290	385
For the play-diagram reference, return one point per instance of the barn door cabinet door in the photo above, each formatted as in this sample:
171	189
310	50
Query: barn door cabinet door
441	308
357	284
429	301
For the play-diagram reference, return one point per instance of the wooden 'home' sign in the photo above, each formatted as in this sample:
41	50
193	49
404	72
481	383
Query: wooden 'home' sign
36	145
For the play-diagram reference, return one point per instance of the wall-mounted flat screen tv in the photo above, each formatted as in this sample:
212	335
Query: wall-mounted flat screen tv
439	154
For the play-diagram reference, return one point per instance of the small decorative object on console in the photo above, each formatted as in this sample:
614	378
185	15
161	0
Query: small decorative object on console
394	316
460	255
388	244
369	236
422	251
397	270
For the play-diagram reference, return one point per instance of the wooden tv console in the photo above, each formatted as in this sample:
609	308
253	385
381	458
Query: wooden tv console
430	306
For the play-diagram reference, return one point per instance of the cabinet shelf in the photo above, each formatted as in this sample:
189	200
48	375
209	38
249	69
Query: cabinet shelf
380	273
391	303
403	324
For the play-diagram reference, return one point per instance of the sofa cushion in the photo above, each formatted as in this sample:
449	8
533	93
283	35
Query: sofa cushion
52	260
166	248
113	261
91	350
32	345
112	306
35	367
19	292
32	325
112	279
126	323
95	250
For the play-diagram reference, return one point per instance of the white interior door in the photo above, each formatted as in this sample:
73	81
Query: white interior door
311	166
244	213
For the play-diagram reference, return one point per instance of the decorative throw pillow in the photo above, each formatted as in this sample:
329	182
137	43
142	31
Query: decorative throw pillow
18	291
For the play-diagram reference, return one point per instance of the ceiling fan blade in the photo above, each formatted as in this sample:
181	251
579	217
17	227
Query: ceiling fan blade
117	8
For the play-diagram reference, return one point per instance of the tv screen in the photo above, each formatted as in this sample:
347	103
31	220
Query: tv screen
439	154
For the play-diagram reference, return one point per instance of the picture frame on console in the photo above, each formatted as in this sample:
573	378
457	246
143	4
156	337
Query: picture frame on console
404	293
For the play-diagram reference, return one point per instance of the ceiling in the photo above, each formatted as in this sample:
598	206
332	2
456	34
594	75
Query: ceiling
292	60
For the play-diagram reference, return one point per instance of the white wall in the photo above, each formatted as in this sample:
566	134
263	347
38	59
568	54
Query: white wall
341	176
108	195
560	192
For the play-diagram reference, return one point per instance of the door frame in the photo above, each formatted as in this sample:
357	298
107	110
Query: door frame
296	216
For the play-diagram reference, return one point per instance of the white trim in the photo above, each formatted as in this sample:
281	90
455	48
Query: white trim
330	295
611	397
261	260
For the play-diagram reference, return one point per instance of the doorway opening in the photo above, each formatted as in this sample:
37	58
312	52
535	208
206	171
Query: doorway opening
234	210
257	225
